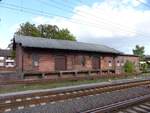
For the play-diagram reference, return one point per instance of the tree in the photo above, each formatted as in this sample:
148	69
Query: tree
139	51
45	31
64	34
48	31
28	29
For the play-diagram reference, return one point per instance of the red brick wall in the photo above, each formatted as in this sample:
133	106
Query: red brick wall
47	61
27	62
88	62
70	62
105	62
73	63
122	60
119	62
19	54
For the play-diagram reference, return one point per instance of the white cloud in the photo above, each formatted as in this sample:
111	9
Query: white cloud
110	18
134	2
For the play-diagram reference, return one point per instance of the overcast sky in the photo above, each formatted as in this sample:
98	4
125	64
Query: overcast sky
120	24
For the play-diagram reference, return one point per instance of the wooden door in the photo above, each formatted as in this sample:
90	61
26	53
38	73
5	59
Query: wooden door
60	63
96	62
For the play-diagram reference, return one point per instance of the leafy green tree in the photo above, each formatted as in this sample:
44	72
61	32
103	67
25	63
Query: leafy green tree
45	31
63	33
48	31
129	67
139	51
28	29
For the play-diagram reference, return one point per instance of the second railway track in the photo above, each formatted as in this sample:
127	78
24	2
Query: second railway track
139	104
23	100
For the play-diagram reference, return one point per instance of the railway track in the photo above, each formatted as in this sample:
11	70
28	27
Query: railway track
139	104
139	108
31	99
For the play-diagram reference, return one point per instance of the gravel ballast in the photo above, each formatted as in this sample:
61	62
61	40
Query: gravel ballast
77	105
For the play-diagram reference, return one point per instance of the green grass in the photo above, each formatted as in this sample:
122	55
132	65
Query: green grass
16	88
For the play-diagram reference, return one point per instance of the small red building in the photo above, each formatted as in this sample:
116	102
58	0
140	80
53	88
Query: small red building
50	55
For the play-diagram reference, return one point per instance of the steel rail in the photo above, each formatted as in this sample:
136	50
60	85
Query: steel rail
119	105
18	101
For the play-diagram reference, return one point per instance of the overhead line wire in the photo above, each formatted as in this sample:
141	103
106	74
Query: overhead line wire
27	10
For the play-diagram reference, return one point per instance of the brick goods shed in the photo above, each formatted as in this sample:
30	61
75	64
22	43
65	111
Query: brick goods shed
50	55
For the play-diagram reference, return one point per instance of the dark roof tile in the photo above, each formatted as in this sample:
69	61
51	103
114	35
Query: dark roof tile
38	42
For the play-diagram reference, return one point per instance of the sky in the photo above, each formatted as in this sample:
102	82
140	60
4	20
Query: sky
120	24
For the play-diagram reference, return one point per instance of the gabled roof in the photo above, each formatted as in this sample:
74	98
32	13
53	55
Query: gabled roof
5	52
38	42
129	55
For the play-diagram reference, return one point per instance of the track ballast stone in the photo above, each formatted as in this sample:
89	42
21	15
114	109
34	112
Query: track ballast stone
77	105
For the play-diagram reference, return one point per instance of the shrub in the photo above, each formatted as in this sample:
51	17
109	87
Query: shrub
129	67
13	54
144	67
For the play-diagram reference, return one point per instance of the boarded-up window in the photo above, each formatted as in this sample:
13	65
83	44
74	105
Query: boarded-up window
80	60
35	60
76	61
83	60
60	62
96	62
